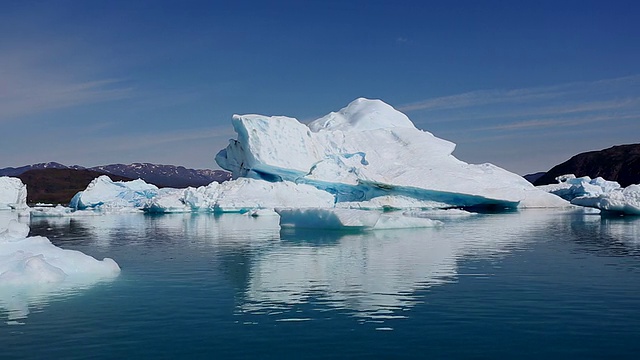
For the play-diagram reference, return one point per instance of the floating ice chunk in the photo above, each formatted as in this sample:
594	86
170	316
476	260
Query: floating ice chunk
241	195
597	193
26	260
13	193
570	187
105	194
624	201
32	269
370	150
349	219
245	194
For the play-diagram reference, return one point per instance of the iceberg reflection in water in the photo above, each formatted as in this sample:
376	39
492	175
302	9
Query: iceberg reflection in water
375	274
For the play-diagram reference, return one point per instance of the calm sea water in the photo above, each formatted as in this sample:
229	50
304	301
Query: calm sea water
531	284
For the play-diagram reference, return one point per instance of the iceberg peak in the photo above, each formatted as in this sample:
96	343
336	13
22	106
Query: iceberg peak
360	115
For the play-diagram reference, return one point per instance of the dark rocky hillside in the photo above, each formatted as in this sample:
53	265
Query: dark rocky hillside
57	186
533	177
619	163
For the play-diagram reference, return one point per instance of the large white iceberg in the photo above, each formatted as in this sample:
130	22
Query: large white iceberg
369	150
13	193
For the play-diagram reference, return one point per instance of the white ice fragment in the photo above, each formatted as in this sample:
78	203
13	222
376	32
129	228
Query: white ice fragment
624	201
33	269
570	187
241	195
104	194
13	193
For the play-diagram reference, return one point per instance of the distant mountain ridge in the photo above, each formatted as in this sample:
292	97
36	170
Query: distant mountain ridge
619	163
11	171
160	175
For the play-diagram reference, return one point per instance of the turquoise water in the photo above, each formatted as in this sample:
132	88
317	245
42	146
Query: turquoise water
531	284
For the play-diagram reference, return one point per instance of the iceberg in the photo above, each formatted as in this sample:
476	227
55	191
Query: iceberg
618	201
106	195
13	193
33	269
240	195
27	260
598	193
570	187
370	153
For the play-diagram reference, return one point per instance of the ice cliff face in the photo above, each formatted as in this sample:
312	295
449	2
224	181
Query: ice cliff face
367	151
13	193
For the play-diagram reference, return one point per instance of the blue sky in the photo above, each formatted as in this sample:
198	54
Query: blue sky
523	85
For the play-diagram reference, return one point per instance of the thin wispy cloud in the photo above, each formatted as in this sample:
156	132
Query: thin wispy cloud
150	141
24	94
47	74
556	123
551	108
524	95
